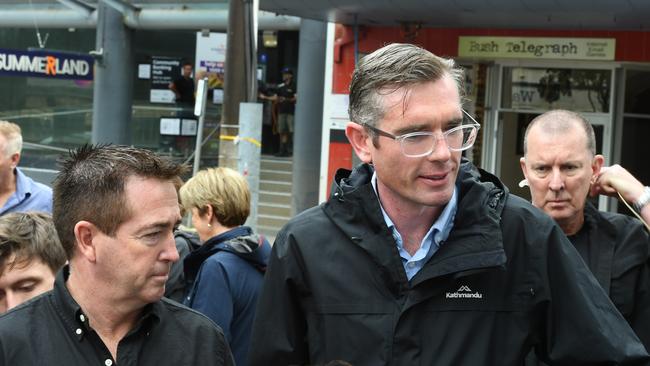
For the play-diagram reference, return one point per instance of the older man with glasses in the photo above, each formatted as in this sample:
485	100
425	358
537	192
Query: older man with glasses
418	257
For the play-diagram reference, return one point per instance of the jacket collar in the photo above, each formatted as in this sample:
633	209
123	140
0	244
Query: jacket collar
192	263
593	219
474	243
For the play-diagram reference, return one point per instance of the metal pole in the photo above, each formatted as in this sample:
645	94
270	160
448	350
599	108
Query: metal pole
235	86
113	84
199	111
309	109
249	150
356	40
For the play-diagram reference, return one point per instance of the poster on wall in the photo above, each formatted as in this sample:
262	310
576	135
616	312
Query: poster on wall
210	62
163	71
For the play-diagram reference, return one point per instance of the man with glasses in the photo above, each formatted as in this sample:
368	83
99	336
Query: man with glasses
418	257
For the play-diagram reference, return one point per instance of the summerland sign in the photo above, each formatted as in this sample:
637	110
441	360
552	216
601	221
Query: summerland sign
46	64
602	49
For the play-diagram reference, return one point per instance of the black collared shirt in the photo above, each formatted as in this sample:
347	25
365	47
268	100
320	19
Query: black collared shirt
52	329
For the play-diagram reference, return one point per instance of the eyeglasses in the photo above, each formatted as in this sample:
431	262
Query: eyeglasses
421	143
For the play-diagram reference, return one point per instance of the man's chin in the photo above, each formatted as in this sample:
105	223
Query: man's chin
438	199
561	214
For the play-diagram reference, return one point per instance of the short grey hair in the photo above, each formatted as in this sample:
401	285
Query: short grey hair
13	135
390	69
559	121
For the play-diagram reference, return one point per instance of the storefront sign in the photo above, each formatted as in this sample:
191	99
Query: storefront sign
537	48
46	64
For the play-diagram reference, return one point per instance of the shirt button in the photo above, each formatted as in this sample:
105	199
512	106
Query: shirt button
411	264
78	331
108	362
82	318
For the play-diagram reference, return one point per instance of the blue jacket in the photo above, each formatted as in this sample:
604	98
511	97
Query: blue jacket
227	272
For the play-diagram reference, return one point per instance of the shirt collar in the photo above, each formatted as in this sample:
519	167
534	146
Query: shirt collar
76	320
442	225
22	184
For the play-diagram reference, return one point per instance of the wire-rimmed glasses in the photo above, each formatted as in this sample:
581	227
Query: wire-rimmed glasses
422	143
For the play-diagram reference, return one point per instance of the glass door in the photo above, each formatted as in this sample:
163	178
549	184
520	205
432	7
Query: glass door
634	126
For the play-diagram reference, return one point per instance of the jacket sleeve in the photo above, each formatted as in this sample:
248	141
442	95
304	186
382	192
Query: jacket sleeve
582	326
640	318
212	295
280	330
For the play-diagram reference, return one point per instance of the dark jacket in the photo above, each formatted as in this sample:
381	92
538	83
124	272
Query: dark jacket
52	329
506	280
615	248
227	272
617	254
175	288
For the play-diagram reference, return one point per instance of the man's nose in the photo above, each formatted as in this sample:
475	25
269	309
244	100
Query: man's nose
170	253
11	301
557	180
440	150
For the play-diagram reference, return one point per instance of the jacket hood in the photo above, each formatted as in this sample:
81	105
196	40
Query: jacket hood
253	248
476	182
491	188
241	241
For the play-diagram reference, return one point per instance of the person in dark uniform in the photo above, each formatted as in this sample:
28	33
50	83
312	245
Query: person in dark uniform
183	88
286	102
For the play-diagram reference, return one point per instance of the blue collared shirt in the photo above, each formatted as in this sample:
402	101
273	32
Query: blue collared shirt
435	237
29	196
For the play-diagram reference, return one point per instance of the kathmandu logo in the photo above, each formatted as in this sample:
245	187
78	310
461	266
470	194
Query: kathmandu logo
464	292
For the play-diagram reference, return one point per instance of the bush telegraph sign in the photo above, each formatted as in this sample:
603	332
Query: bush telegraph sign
602	49
46	64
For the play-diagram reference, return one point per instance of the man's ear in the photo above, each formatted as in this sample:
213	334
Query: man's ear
522	164
15	159
85	234
359	140
596	164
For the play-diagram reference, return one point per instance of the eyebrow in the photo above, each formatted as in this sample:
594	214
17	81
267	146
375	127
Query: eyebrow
418	127
29	279
159	225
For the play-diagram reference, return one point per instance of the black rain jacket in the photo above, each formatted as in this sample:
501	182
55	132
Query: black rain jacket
506	280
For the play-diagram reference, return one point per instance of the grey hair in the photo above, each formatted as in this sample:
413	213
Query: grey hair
560	121
12	134
390	69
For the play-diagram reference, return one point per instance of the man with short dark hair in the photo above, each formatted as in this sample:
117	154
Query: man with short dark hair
183	88
30	256
561	168
115	209
419	258
18	192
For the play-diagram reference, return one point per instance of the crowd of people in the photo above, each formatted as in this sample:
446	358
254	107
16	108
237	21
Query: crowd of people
417	258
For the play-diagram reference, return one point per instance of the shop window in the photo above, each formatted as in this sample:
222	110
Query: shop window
579	90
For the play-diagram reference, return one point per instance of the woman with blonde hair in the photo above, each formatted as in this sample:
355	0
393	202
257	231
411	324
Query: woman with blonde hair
228	268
